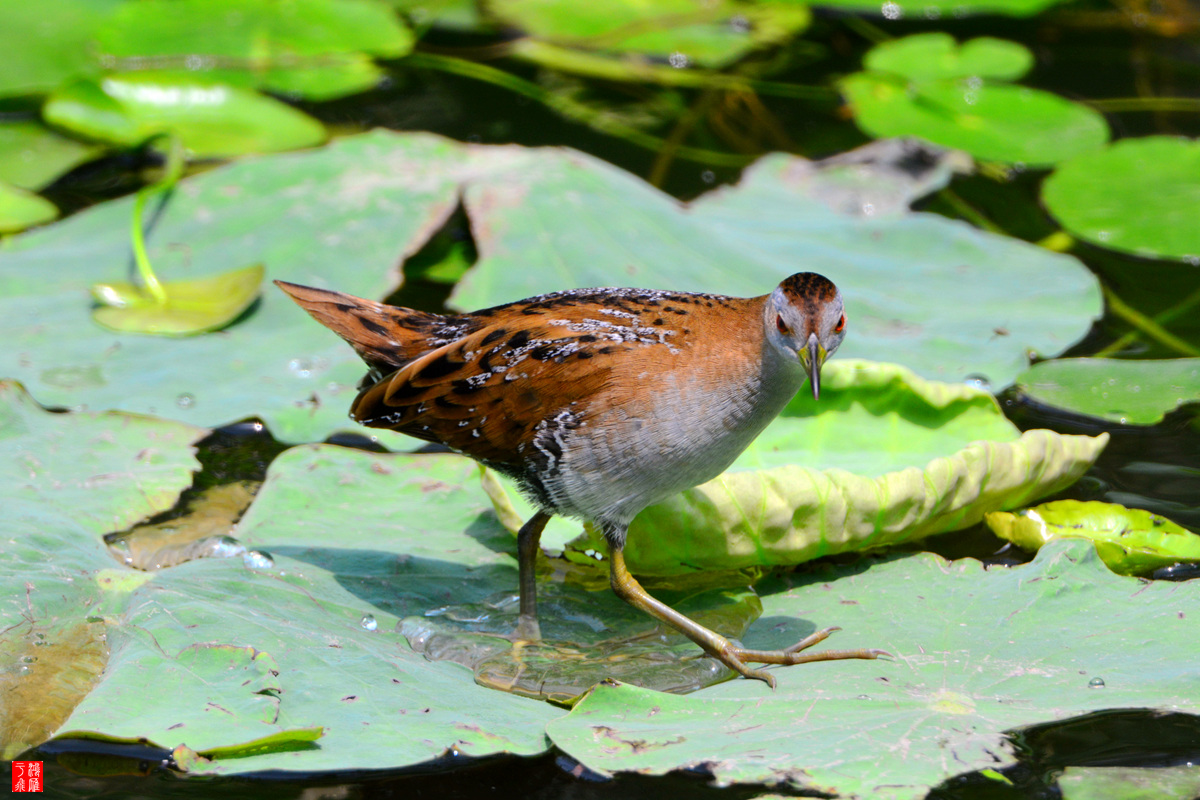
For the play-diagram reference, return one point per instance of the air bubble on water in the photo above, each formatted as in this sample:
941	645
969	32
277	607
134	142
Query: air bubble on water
257	559
368	622
932	12
739	23
185	400
678	60
708	176
891	10
1103	236
868	209
1096	683
1192	260
978	382
227	547
301	367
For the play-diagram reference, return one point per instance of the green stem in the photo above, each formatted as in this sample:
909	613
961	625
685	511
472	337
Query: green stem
176	162
572	109
1185	104
1147	325
1190	302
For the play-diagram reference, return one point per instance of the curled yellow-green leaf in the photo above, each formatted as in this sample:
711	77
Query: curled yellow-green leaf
1131	541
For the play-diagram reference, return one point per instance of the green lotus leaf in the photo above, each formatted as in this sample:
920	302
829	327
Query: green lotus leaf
978	653
212	120
991	121
706	34
1130	391
20	209
191	307
1131	541
941	297
32	156
65	479
47	43
884	457
1137	195
303	634
318	49
936	56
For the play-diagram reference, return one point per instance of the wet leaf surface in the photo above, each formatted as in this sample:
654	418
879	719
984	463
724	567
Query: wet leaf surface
978	652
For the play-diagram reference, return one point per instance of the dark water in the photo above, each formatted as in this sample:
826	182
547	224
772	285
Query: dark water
1081	53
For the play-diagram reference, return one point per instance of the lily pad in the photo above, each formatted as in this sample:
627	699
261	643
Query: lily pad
710	34
191	307
213	120
344	216
937	56
1131	541
47	43
317	49
991	121
1138	392
32	156
20	209
1137	195
65	479
978	652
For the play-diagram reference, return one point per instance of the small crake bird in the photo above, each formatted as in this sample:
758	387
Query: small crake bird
598	402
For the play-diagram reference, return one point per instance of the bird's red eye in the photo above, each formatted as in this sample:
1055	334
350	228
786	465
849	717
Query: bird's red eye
841	326
781	325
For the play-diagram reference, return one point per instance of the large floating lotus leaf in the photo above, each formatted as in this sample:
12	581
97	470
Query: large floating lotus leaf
356	540
934	56
66	479
977	653
932	9
46	43
1138	195
937	295
705	33
20	209
1122	390
1131	541
212	120
315	48
991	121
32	156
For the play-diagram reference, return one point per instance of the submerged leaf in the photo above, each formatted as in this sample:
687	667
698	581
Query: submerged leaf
1131	541
192	307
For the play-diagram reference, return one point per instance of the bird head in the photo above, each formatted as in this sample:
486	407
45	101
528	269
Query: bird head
806	321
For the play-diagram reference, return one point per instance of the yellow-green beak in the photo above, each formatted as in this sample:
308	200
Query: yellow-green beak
813	355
